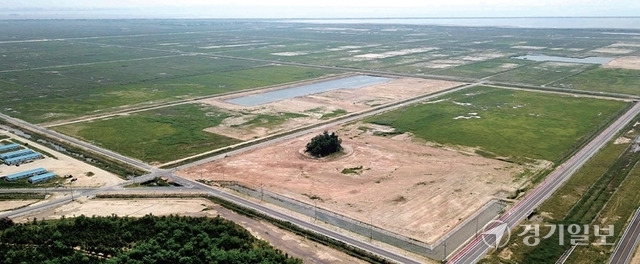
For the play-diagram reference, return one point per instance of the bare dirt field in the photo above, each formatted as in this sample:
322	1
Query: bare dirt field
611	50
11	204
628	62
406	186
297	246
636	256
318	105
63	165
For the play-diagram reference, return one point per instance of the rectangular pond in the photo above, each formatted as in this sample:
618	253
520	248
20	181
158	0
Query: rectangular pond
353	82
588	60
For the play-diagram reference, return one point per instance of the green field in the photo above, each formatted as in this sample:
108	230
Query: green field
603	192
484	68
540	74
76	91
511	123
604	80
159	135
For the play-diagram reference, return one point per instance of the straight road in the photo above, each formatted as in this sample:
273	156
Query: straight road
212	191
626	246
107	153
478	247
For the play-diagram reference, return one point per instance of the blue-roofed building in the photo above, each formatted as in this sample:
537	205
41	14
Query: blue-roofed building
16	153
25	174
12	146
23	158
42	177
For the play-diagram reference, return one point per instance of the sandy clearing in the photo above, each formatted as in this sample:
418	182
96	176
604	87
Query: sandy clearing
297	246
528	47
11	204
636	256
441	64
482	57
128	207
628	62
621	140
609	50
626	44
62	166
411	188
389	54
289	53
317	105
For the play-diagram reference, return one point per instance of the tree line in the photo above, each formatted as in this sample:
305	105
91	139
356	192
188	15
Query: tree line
150	239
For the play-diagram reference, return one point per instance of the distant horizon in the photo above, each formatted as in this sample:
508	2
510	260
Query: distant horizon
631	23
329	18
328	9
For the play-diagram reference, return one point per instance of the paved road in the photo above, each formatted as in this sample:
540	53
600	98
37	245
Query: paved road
476	249
198	186
519	211
627	245
131	161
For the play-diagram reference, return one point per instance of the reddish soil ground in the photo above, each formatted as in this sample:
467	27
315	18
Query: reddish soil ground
406	186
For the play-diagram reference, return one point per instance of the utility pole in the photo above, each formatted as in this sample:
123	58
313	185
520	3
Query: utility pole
71	187
445	251
261	192
476	226
315	210
371	228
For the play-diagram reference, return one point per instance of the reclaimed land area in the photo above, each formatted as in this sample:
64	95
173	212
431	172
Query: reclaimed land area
170	133
405	151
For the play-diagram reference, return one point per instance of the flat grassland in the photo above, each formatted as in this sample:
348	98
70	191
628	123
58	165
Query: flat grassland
541	73
505	122
608	80
70	92
159	135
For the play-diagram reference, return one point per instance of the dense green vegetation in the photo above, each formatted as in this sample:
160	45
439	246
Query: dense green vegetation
159	135
619	208
324	144
21	196
585	210
148	239
510	123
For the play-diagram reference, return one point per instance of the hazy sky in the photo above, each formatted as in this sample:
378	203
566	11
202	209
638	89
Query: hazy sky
328	8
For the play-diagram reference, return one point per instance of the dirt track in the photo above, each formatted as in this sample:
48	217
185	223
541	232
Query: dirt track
411	188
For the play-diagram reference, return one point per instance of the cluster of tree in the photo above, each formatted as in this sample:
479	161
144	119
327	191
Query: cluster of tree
324	144
150	239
